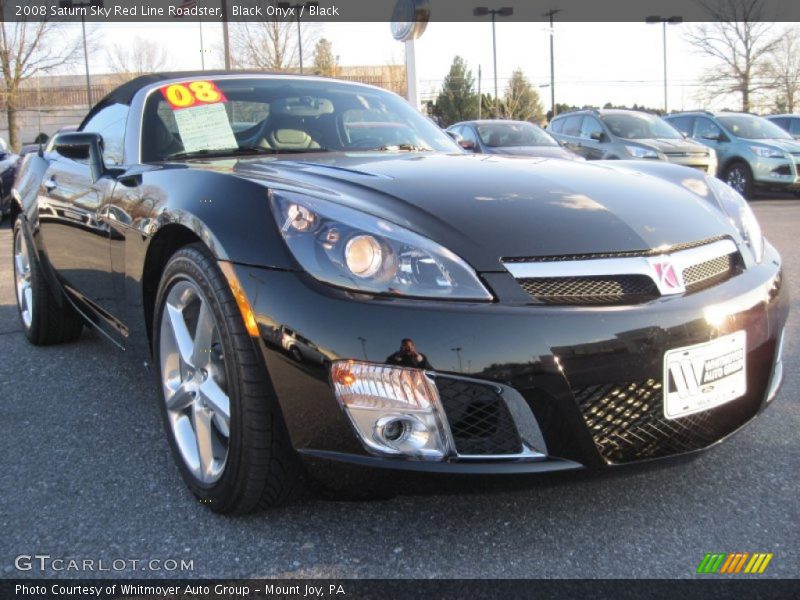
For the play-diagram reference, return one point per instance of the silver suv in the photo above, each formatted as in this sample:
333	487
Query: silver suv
629	134
752	152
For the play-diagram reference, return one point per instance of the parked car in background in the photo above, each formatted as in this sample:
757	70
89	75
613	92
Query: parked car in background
517	138
629	134
752	151
8	171
789	123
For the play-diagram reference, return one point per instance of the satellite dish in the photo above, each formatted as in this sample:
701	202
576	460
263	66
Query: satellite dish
409	19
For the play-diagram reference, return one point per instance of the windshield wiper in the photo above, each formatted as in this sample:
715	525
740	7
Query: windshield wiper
240	151
401	148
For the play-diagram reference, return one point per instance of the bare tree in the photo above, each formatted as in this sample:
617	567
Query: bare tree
521	101
783	70
740	41
29	49
140	57
271	44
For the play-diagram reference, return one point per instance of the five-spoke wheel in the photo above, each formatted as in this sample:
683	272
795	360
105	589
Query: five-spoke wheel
193	380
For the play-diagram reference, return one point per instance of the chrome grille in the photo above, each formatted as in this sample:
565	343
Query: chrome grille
708	273
625	278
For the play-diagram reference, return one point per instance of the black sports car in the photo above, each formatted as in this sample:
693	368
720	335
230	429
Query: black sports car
325	284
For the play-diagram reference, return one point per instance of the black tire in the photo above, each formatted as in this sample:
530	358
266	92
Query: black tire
52	320
739	176
296	354
261	469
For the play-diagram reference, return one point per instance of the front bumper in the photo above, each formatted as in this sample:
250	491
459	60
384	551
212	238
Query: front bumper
559	360
777	172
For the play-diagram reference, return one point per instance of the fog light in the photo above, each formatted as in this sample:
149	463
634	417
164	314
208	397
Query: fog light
394	410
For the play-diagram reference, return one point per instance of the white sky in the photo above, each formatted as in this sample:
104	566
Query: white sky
595	62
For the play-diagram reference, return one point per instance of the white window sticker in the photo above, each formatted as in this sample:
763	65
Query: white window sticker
205	127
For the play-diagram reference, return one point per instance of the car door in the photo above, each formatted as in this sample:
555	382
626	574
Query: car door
593	147
73	220
571	134
707	132
684	124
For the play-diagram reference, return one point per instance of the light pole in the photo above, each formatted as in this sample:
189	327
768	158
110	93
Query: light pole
664	21
226	43
298	10
550	13
85	4
482	11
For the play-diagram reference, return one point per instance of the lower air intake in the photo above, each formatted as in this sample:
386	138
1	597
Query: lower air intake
627	423
479	419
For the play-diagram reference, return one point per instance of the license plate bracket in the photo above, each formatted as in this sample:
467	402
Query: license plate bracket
704	376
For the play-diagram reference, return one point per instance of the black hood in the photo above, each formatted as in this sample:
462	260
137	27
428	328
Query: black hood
485	208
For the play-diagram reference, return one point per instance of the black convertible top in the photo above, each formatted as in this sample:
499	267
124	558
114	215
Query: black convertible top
124	94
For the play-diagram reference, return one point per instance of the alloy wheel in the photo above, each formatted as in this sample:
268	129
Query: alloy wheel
737	179
194	383
22	278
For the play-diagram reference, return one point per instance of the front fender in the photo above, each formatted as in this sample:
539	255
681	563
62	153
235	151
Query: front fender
230	214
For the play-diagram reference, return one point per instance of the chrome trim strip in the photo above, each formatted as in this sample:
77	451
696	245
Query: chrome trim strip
627	265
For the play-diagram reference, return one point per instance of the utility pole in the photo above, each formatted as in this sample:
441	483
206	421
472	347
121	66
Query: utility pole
226	43
480	97
482	11
550	13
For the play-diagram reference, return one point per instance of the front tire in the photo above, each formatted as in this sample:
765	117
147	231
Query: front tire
46	319
739	176
220	414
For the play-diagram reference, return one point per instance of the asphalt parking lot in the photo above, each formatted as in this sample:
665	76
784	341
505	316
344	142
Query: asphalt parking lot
87	474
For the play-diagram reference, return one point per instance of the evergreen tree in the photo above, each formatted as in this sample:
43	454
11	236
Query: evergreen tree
457	101
325	63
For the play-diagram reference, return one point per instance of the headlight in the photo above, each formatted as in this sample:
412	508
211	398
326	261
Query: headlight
640	152
740	214
350	249
767	152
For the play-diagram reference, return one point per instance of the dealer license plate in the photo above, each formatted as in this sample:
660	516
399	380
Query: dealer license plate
705	375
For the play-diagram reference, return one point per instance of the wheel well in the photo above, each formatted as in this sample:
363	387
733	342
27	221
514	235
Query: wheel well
14	210
166	242
727	165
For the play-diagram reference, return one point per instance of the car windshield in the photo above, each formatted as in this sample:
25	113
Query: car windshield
500	134
640	126
279	115
751	127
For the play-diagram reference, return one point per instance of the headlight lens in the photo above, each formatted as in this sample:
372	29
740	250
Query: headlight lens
740	214
640	152
766	152
350	249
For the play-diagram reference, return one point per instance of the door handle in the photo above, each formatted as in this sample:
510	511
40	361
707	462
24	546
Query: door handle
50	184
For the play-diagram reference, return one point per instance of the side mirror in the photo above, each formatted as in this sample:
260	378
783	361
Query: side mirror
597	136
715	138
466	144
456	137
82	146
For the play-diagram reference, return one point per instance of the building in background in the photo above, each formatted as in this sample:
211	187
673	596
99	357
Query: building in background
48	103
